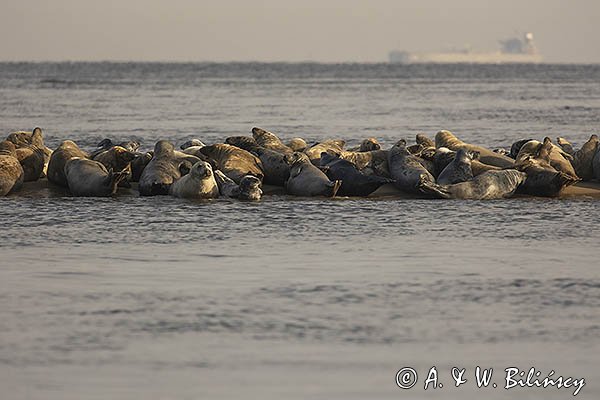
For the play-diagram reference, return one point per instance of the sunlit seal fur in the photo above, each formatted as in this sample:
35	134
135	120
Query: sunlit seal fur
297	144
424	140
118	158
447	139
198	184
90	178
163	169
63	153
354	183
192	143
542	178
368	162
487	186
406	170
584	157
250	188
559	160
308	180
459	170
368	144
11	171
276	170
227	187
314	152
270	141
107	144
233	161
31	153
565	145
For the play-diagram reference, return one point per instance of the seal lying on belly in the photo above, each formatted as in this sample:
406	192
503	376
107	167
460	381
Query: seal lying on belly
31	153
558	159
118	158
369	144
163	169
227	187
198	184
233	161
314	152
353	182
270	141
542	178
487	186
373	162
297	144
107	144
11	171
406	170
308	180
250	188
276	170
459	170
442	157
63	153
583	158
486	156
90	178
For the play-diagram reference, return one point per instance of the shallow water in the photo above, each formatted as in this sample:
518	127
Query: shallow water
294	298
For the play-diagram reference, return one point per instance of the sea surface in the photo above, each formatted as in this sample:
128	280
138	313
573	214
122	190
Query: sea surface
293	298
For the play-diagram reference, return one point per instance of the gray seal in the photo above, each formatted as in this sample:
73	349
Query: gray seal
250	188
227	187
308	180
314	152
297	144
584	157
89	178
565	145
559	160
447	139
459	170
487	186
31	153
368	144
164	169
198	184
270	141
406	169
354	183
276	170
233	161
63	153
11	171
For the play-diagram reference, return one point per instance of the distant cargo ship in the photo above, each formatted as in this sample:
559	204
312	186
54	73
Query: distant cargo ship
513	50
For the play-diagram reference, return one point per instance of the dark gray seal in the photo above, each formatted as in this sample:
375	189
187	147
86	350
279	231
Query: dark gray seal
199	183
250	188
354	183
138	165
584	157
308	180
227	187
270	141
233	161
163	170
107	144
63	153
459	170
542	178
89	178
11	171
487	186
407	170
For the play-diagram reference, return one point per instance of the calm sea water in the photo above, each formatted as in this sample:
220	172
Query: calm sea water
135	297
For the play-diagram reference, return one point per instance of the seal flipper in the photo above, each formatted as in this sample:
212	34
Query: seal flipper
335	186
114	178
434	189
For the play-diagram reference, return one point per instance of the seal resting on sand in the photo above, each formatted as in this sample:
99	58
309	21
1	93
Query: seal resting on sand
270	141
308	180
584	157
163	169
250	188
354	183
459	170
558	159
447	139
31	153
276	170
487	186
11	171
56	167
233	161
406	169
90	178
198	184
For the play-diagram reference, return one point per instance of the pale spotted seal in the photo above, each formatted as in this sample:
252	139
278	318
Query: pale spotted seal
487	186
198	184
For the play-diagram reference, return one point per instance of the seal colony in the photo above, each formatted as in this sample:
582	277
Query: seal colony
242	167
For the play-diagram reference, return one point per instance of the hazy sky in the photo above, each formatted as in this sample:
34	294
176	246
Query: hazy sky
283	30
